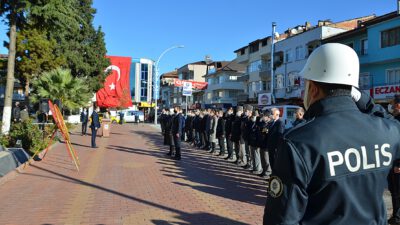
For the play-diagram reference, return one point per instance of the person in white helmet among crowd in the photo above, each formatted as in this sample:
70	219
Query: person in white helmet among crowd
332	169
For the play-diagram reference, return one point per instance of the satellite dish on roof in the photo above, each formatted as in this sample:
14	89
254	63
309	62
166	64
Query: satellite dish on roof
276	35
293	31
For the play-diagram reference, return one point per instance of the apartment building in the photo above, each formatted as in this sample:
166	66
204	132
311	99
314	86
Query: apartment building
141	82
292	49
377	43
223	85
167	88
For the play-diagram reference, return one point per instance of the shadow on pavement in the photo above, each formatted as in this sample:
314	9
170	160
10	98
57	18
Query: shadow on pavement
211	174
188	218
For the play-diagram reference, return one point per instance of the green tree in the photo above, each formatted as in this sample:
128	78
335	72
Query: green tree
59	84
35	54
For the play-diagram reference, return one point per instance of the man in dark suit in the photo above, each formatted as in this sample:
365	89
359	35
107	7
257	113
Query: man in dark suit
275	134
95	125
177	128
84	120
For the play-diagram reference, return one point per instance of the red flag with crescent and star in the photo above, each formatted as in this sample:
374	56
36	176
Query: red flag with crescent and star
116	91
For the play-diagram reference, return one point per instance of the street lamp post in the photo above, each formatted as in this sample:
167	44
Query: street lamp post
158	78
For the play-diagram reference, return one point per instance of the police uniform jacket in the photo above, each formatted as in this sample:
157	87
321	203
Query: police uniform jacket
188	123
221	127
298	121
333	169
236	129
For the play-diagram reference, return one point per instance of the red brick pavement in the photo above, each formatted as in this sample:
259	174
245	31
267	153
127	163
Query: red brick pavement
129	180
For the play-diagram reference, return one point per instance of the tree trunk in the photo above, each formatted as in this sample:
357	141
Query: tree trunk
10	74
26	94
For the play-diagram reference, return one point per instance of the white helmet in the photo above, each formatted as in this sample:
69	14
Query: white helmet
333	63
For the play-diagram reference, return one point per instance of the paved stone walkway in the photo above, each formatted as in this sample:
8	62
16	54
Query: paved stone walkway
129	180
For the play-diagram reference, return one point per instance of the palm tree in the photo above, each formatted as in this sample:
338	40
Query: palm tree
60	85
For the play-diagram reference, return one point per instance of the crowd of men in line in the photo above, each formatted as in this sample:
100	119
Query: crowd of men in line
243	136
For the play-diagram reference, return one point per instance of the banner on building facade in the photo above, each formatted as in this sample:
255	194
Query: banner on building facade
187	89
196	85
385	92
116	92
264	99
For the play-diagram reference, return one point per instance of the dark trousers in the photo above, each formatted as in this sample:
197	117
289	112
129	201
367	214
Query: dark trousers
94	134
171	142
221	142
394	188
84	128
265	163
207	139
177	143
237	149
229	146
271	154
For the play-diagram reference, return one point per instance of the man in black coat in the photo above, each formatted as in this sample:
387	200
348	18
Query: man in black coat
236	133
177	130
84	120
262	139
168	131
16	113
229	117
220	134
207	129
275	135
394	175
299	117
95	125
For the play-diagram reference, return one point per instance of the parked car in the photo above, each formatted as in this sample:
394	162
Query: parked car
286	113
130	116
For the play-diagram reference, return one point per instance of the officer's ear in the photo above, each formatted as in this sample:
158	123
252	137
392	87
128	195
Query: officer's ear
315	91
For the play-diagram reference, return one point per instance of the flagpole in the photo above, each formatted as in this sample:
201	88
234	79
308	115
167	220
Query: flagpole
158	78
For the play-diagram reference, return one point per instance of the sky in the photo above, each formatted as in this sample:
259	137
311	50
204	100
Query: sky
145	28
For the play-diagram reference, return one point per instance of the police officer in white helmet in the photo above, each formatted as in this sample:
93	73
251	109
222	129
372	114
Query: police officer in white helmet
333	168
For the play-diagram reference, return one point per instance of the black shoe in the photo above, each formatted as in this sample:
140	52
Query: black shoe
176	158
95	147
169	154
247	166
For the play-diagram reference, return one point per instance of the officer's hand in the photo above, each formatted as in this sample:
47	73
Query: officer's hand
177	135
396	169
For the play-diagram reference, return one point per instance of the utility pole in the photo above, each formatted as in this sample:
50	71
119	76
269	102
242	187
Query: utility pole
272	62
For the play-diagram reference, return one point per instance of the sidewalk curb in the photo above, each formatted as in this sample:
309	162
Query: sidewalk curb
21	168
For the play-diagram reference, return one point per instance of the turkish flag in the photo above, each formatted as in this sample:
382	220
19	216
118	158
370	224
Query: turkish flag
116	90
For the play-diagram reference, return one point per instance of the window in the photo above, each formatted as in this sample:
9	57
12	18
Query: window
294	79
264	42
144	71
264	85
209	95
254	47
299	52
233	78
232	93
364	46
288	56
254	66
393	76
279	81
365	81
390	37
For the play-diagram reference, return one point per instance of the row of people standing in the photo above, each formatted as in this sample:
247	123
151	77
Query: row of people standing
245	136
